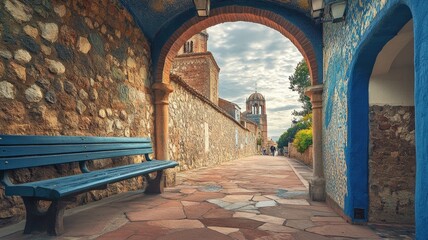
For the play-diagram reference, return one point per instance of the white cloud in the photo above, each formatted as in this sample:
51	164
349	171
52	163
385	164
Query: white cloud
248	53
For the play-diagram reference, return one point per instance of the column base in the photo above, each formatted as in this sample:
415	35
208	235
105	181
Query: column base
317	189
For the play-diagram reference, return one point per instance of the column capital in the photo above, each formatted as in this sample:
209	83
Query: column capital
314	90
162	91
315	93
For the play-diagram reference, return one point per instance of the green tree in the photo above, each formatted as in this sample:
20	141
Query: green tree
303	140
298	82
304	123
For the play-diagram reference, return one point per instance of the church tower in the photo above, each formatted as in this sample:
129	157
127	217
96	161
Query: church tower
256	112
197	67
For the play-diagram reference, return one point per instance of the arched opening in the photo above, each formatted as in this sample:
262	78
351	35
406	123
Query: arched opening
392	151
300	29
373	87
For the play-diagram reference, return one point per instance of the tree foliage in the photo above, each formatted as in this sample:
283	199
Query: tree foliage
289	135
298	82
303	140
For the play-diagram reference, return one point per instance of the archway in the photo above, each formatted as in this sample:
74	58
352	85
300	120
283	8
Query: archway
386	27
300	29
392	151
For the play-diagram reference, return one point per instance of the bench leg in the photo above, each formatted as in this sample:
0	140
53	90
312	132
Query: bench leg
50	220
155	186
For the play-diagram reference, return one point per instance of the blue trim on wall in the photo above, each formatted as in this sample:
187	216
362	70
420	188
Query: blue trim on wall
387	24
312	31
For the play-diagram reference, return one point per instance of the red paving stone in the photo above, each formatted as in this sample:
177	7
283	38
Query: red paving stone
190	211
196	234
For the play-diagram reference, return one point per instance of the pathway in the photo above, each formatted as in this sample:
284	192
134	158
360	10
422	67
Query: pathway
258	197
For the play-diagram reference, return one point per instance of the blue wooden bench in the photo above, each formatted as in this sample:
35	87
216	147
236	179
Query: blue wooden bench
33	151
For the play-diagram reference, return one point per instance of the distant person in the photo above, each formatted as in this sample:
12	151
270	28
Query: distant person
272	150
264	151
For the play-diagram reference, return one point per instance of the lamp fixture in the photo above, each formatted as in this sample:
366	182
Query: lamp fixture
202	7
333	11
317	7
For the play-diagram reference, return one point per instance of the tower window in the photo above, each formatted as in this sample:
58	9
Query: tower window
188	47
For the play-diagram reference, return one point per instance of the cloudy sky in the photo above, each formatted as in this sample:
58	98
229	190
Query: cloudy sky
249	53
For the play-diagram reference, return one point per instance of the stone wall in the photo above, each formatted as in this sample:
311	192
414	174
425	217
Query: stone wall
306	157
70	68
202	134
392	164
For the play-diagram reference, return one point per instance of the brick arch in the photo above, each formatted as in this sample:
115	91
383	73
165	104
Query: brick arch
269	18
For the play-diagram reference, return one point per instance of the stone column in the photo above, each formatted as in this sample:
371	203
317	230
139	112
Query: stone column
162	91
317	183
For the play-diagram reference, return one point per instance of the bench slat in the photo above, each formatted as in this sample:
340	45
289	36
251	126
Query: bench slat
66	186
54	140
35	161
40	150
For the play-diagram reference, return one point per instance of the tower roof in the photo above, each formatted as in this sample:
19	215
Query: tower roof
256	96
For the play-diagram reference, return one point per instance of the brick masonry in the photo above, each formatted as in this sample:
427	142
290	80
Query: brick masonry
392	164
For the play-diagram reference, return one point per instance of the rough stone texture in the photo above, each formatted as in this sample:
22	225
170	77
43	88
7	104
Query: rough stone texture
19	71
83	45
55	67
7	90
306	157
31	31
49	31
34	94
53	103
19	11
392	164
22	56
195	120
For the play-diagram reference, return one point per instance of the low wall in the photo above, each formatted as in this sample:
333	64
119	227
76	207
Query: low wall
202	134
305	157
392	164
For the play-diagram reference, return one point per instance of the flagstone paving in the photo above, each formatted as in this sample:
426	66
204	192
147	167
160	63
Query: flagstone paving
259	197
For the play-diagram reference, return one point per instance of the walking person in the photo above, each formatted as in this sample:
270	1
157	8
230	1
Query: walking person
272	150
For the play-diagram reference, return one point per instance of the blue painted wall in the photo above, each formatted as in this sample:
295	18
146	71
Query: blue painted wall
350	52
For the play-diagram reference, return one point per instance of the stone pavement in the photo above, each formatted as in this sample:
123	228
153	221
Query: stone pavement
259	197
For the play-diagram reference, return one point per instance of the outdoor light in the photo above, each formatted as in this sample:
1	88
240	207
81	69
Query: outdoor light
337	11
333	11
203	7
317	7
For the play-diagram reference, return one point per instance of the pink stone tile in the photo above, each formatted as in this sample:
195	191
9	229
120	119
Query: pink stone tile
231	222
237	198
187	203
253	234
177	224
202	196
188	190
130	230
156	214
218	213
327	219
276	228
343	230
299	224
224	230
196	234
237	236
196	211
